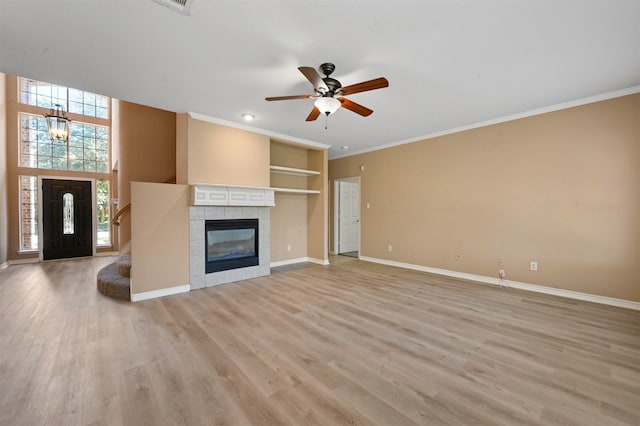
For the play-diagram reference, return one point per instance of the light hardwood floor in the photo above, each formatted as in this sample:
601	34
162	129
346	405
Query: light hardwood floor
354	343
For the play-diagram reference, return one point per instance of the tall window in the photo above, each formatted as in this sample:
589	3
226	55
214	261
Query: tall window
28	213
103	197
86	151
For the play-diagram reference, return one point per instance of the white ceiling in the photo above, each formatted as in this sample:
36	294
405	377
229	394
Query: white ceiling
449	63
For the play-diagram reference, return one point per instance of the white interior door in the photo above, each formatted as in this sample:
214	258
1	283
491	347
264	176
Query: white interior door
349	237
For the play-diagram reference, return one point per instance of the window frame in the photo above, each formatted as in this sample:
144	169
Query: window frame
24	114
67	100
21	248
37	173
109	204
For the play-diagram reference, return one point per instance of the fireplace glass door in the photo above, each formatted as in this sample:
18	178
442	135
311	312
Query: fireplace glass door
231	244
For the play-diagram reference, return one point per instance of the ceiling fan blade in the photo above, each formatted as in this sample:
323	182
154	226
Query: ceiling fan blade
357	108
285	98
376	83
314	78
313	115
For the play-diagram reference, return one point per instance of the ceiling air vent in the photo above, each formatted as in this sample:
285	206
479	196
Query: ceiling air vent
181	6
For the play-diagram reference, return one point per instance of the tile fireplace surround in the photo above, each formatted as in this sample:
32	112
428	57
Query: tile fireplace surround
213	202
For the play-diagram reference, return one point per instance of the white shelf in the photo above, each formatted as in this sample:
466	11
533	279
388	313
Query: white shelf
296	191
293	171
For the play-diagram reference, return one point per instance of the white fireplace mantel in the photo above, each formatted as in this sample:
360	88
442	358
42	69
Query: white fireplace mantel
225	195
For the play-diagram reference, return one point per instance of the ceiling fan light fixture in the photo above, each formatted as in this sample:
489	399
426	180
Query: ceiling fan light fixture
327	105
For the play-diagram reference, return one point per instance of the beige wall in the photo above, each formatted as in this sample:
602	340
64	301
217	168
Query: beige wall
160	236
223	155
318	207
562	189
4	177
147	147
289	227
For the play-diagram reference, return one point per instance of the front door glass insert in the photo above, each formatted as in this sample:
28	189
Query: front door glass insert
67	213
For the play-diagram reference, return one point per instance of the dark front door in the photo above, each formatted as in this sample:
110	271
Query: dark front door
66	219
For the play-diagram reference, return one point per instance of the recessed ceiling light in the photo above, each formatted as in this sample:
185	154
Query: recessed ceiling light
247	116
345	147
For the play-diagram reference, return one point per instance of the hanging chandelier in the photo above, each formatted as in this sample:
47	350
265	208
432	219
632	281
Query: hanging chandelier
58	123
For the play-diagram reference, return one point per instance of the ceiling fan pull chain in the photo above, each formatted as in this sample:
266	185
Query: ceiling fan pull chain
326	121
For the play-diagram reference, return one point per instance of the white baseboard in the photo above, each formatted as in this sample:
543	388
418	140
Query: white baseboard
4	265
513	284
136	297
106	253
299	260
23	261
323	262
288	262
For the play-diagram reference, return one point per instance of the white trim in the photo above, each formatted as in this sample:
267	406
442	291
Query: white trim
288	262
23	261
336	216
299	260
30	251
323	262
232	196
106	253
628	304
564	105
296	191
292	171
136	297
4	265
305	142
336	211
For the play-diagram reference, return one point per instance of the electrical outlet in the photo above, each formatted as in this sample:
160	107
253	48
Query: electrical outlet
288	247
533	266
501	274
389	248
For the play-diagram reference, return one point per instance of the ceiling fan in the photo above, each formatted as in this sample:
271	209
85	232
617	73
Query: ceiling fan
329	93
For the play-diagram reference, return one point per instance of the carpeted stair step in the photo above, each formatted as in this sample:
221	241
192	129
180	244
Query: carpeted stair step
124	265
112	284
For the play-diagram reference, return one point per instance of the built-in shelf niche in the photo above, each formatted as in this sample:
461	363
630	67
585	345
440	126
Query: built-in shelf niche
296	190
293	171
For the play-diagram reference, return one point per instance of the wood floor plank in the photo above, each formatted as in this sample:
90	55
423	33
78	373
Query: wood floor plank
353	343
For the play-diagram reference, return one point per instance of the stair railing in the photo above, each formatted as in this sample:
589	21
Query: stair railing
116	218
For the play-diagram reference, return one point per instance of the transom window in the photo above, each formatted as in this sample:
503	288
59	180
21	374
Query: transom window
46	95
